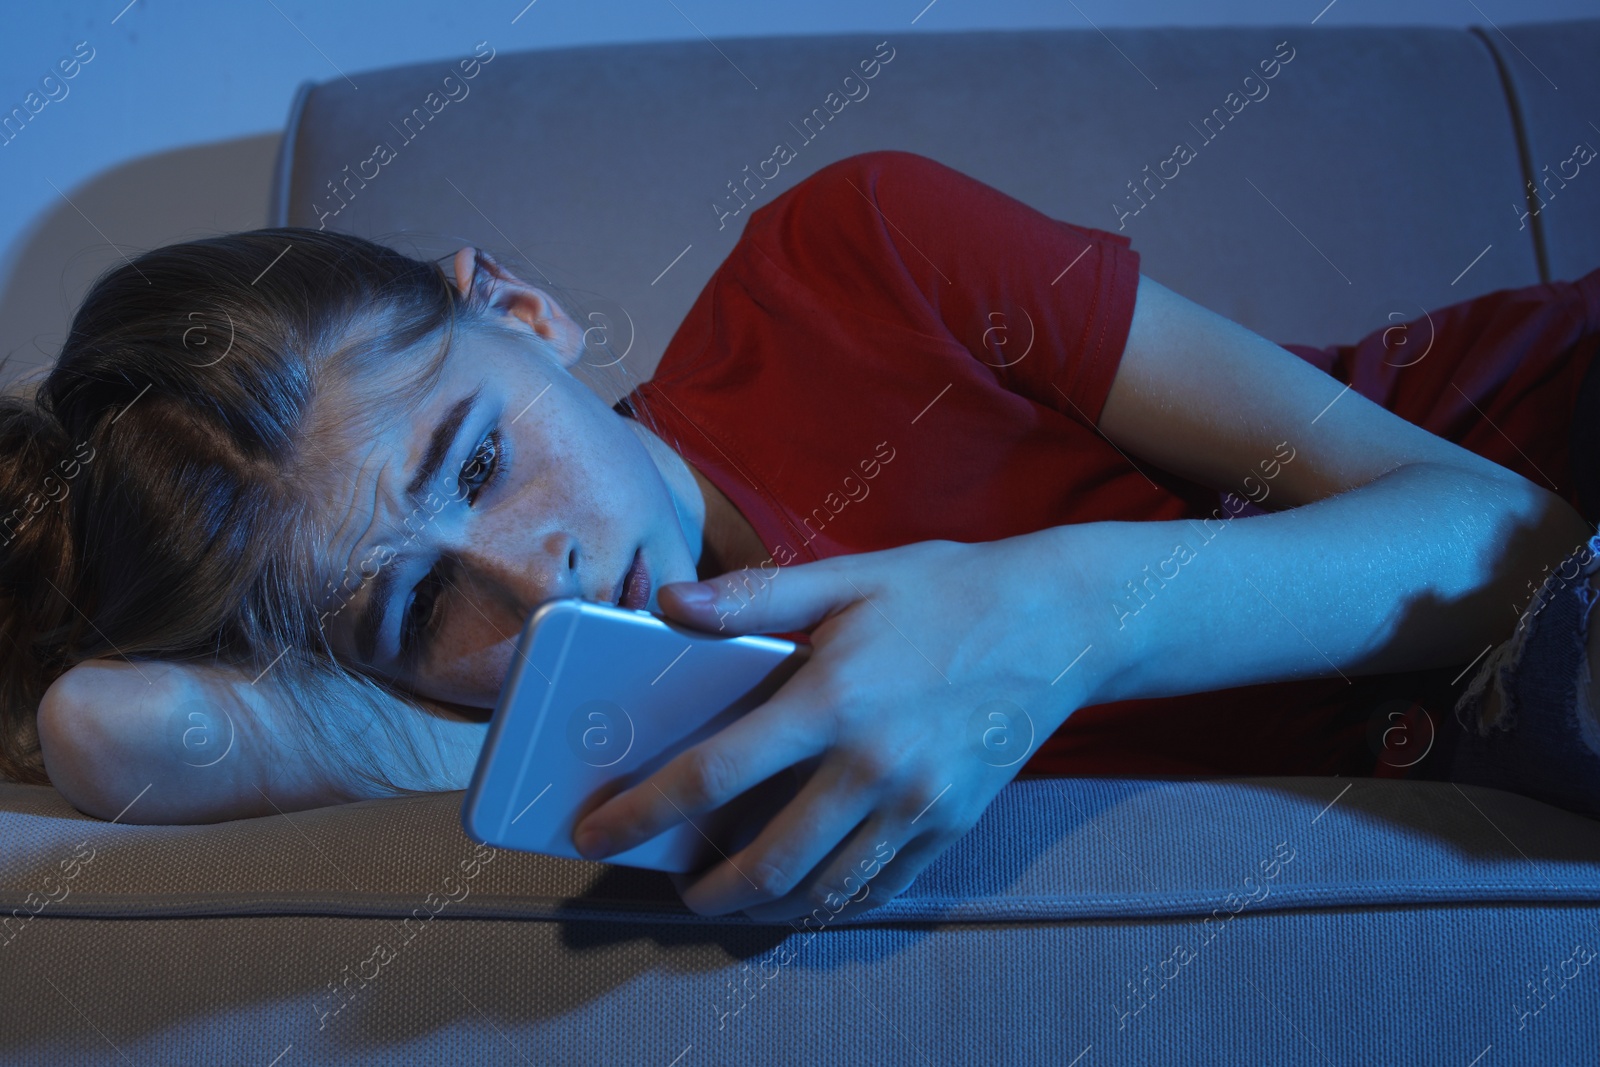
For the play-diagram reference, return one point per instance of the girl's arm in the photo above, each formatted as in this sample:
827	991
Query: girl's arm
156	742
1424	566
934	664
1400	551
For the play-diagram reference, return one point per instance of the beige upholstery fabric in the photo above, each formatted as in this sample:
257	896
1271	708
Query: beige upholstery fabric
353	935
384	857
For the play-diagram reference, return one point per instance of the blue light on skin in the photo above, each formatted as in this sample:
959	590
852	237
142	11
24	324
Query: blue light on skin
564	490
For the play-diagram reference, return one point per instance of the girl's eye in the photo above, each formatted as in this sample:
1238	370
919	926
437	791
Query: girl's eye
418	614
478	471
486	464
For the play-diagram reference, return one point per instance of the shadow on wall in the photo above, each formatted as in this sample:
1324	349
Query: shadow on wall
143	204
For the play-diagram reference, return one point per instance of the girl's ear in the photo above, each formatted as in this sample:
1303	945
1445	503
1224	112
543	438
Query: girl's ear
485	283
465	264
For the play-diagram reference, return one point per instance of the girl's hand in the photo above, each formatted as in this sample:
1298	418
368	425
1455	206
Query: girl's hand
929	683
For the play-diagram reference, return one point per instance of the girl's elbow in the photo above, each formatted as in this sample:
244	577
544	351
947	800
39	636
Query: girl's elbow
106	737
79	755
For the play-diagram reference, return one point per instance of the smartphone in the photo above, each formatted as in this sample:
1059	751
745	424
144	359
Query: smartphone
598	698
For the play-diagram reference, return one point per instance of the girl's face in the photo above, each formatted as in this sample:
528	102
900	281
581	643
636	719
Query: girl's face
511	483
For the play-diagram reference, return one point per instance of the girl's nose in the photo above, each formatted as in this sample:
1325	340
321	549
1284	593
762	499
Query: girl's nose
523	575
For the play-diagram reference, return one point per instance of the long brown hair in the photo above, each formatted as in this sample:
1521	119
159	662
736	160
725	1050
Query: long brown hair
154	495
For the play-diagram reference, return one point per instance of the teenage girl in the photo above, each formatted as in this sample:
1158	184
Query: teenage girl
282	506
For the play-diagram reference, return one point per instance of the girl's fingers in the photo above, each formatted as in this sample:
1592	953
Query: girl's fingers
780	733
873	866
770	600
808	829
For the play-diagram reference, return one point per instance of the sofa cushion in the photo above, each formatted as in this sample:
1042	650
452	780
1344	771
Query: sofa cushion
1045	849
1267	920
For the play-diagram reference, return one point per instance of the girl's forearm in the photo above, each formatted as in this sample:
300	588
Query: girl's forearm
453	744
1425	566
436	751
163	742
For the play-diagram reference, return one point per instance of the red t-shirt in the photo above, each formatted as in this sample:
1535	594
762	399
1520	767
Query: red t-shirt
895	352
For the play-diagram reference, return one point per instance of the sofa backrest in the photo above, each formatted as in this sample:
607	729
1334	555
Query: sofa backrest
1335	179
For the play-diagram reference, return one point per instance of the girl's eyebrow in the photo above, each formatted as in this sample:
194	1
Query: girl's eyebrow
441	443
370	619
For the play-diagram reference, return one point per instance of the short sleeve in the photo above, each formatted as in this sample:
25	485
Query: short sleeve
1045	304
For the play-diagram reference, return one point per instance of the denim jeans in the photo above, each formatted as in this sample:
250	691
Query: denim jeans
1542	739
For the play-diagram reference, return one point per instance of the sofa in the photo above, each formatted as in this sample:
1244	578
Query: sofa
1286	920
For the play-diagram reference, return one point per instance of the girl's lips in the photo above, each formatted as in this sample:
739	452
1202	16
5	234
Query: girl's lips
636	583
